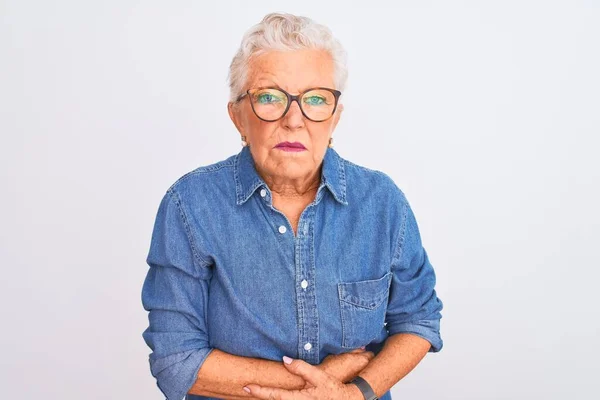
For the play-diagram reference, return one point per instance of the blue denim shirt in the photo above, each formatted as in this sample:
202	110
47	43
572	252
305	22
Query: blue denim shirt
228	272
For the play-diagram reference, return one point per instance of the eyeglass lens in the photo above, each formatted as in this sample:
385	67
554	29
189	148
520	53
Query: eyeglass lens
270	104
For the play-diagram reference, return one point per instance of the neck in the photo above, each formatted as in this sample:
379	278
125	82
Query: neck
293	188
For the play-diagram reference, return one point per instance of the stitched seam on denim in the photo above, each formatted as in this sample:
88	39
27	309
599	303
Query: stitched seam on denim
350	163
342	177
201	262
311	266
378	302
235	178
416	322
341	304
346	340
387	277
255	185
299	297
369	280
400	244
240	196
202	170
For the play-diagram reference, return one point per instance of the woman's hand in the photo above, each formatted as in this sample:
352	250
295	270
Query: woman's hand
324	386
345	366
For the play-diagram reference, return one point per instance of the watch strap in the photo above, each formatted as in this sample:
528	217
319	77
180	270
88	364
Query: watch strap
365	388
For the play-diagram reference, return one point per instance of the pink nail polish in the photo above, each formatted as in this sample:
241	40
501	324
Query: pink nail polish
246	389
287	360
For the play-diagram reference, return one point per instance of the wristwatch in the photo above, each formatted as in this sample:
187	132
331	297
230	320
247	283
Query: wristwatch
365	388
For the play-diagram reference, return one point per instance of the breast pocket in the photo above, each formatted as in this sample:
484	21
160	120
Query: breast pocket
363	305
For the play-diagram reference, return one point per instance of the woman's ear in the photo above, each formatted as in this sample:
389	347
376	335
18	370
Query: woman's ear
234	114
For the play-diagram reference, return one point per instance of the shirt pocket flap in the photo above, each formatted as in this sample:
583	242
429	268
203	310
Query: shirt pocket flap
367	294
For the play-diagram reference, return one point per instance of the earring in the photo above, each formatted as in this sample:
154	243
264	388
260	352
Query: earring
244	143
330	142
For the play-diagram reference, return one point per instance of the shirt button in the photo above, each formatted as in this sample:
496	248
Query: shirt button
307	346
304	284
263	192
282	229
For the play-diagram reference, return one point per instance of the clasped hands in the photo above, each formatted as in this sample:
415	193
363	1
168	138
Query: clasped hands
325	381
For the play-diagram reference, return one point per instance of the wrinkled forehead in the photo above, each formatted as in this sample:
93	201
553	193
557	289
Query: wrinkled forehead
293	71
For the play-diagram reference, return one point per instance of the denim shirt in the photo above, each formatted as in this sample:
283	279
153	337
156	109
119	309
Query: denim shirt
227	270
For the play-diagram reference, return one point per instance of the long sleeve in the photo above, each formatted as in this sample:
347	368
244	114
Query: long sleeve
413	306
175	292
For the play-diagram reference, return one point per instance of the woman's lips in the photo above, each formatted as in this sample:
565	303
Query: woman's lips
287	146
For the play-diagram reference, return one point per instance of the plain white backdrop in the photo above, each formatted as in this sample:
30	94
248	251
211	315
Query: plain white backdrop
486	114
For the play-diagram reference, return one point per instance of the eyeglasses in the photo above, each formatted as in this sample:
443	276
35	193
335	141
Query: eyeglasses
272	103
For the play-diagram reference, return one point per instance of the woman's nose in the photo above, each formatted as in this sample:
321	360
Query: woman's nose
294	119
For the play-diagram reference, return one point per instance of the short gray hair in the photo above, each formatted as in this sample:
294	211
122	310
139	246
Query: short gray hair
281	31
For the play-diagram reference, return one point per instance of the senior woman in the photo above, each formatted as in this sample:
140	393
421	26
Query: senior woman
273	269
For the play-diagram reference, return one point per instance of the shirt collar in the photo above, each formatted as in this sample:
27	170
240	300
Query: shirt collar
247	180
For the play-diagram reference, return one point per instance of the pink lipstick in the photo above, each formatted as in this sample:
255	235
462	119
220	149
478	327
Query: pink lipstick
291	146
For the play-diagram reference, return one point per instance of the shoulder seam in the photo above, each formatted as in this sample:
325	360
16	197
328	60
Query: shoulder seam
198	258
203	170
367	169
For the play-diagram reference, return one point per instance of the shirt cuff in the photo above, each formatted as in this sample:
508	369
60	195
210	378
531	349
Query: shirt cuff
427	329
175	374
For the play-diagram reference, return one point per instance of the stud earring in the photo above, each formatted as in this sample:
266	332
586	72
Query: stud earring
330	142
244	143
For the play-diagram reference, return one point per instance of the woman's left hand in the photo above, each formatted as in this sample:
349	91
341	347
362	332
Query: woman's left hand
324	386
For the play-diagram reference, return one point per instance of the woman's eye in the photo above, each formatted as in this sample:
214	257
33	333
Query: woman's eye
314	100
266	98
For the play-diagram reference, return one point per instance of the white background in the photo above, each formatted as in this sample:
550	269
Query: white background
486	114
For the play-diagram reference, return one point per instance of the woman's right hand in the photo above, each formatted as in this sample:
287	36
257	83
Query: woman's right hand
345	366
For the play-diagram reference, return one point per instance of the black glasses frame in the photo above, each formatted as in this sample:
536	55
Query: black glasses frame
290	98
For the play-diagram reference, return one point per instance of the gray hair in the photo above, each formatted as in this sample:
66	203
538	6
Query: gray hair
280	31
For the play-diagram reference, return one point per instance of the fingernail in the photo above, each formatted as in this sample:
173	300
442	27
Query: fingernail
287	360
246	389
363	347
